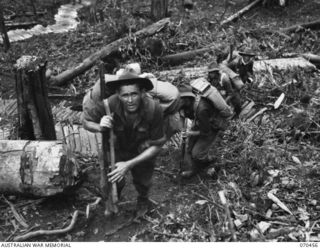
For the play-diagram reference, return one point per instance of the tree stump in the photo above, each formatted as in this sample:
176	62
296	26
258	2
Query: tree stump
3	30
159	9
38	168
35	115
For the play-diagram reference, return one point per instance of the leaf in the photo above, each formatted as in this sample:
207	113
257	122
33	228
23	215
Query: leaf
296	160
264	226
279	101
273	173
303	214
201	202
275	199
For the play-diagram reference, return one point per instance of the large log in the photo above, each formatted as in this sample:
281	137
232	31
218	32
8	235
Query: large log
258	67
315	25
241	12
176	59
67	75
38	168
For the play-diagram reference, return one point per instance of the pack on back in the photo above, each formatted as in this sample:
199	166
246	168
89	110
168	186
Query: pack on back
202	87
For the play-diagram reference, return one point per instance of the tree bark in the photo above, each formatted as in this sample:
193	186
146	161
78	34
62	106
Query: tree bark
38	168
315	25
35	115
3	30
241	12
62	78
258	66
159	9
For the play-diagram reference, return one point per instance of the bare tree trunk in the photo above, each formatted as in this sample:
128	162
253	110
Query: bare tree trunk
39	168
35	115
159	9
3	30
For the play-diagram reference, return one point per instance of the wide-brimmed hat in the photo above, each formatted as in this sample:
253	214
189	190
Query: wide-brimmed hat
247	52
129	78
213	66
186	91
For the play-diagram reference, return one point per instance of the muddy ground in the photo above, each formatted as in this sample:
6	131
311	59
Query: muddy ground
277	152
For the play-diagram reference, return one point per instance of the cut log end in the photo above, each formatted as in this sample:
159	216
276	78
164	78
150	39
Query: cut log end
28	63
38	168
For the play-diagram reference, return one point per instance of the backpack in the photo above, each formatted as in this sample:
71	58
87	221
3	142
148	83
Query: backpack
203	88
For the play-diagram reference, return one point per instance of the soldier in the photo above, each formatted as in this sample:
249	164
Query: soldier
229	85
240	63
137	119
208	122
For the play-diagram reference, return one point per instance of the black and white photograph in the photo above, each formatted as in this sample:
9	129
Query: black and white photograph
159	121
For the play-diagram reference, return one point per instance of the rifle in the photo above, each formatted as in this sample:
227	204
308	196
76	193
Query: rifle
183	143
108	191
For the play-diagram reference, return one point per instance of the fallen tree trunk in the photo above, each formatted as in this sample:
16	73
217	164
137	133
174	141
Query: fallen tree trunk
258	66
315	25
67	75
315	59
176	59
20	25
38	168
241	12
283	64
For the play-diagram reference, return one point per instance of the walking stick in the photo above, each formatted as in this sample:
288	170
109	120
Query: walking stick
106	189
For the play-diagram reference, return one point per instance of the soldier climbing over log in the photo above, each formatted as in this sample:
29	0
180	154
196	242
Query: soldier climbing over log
136	119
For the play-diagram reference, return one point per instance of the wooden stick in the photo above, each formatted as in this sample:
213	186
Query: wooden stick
257	114
104	164
226	206
48	232
103	156
112	153
310	25
241	12
92	205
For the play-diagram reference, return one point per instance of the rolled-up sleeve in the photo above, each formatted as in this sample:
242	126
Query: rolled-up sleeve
92	110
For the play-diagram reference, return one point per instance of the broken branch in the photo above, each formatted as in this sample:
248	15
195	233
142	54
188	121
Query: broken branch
241	12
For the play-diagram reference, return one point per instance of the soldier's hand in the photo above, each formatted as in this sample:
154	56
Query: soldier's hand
119	172
106	122
184	134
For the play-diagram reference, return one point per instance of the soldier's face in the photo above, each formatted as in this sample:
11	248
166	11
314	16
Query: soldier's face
214	76
130	96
